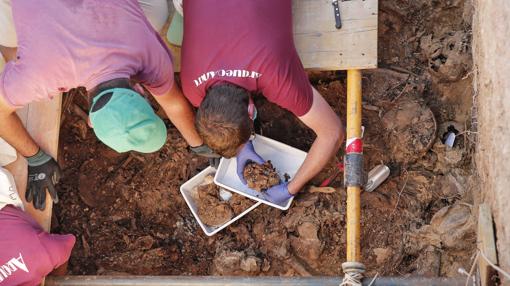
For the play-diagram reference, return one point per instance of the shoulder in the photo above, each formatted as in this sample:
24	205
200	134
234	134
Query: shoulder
20	83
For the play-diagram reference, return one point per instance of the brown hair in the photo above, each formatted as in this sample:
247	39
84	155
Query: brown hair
222	119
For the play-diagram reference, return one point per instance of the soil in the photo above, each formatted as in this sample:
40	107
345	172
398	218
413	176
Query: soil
261	177
212	209
130	218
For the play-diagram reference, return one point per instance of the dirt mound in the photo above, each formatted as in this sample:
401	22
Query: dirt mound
411	129
216	208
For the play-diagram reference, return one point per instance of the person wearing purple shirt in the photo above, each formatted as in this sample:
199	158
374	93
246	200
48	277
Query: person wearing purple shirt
108	47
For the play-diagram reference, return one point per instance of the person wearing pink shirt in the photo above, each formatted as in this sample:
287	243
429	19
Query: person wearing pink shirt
108	47
27	253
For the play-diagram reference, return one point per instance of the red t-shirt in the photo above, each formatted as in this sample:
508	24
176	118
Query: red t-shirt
247	43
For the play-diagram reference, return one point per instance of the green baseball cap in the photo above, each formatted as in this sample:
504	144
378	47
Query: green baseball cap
127	122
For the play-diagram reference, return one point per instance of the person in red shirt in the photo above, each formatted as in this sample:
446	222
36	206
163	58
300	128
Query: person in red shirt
232	49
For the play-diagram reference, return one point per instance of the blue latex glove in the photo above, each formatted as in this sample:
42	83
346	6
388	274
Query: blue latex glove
278	194
245	156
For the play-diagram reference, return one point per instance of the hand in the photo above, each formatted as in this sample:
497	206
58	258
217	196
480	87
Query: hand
204	151
278	194
245	156
43	174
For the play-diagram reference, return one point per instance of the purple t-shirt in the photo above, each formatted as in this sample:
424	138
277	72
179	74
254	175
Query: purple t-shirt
63	44
247	43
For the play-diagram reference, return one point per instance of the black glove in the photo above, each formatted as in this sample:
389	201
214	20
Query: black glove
204	151
43	174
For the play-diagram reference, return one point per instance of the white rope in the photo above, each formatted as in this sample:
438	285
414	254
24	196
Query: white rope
373	280
495	266
352	279
471	270
353	273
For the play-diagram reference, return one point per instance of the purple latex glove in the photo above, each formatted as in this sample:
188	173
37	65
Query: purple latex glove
278	194
245	156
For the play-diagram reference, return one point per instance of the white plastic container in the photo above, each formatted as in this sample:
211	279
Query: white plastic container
8	192
186	190
7	152
285	159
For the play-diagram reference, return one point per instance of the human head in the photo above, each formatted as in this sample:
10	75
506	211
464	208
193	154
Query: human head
222	119
125	121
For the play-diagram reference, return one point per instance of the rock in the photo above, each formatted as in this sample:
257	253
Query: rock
307	246
449	56
382	254
447	158
251	264
452	185
278	244
228	262
266	265
452	227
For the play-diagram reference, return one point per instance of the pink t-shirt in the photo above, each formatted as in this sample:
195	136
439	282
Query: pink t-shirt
247	43
27	253
63	44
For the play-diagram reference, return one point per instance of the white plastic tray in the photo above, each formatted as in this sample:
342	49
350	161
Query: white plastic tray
285	159
186	189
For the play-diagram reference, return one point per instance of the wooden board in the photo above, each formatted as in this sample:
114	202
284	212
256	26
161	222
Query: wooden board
320	45
174	50
486	243
42	121
323	47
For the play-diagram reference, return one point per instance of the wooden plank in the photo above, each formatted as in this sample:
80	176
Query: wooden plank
42	121
174	50
487	244
323	47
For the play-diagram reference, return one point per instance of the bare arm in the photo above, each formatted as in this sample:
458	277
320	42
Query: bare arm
11	128
9	54
13	131
179	111
330	134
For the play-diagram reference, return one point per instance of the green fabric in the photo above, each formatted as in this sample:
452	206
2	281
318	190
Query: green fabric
175	32
38	159
127	122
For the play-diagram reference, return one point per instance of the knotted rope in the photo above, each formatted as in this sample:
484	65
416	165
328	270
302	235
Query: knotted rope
353	273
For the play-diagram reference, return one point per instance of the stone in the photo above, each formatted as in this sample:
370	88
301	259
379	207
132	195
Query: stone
382	255
308	245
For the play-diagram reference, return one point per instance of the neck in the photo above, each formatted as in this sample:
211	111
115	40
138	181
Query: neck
114	83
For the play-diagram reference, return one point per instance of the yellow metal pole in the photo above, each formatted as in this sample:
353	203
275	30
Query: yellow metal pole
354	165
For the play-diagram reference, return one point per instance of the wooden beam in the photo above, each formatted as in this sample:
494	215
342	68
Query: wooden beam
487	244
42	121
